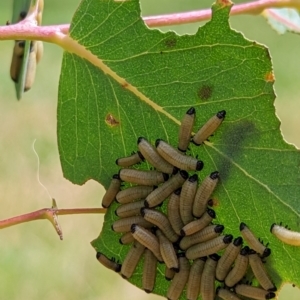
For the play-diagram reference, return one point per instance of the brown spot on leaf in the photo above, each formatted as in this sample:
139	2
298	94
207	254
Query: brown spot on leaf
125	84
269	77
111	120
205	92
170	43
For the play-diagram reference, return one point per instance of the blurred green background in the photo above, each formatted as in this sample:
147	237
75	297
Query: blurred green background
34	263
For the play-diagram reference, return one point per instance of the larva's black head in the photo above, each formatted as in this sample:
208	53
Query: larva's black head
238	241
118	268
117	161
148	291
217	290
204	258
184	174
214	256
177	192
176	270
227	239
143	212
116	213
146	204
120	241
21	44
219	228
211	213
133	228
242	226
191	111
112	227
245	251
270	295
273	289
116	176
214	175
140	139
272	226
165	176
167	278
199	165
182	232
175	170
221	114
266	253
193	178
251	252
140	155
98	254
157	142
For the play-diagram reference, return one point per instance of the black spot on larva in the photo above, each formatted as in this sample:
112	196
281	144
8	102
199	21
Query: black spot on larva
171	42
111	120
205	92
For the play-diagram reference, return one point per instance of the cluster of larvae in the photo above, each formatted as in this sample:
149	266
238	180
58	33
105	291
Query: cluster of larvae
36	52
183	238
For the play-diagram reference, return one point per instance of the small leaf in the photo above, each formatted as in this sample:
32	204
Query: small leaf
143	84
283	19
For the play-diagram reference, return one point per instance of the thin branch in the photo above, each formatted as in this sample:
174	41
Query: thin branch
53	34
253	8
49	214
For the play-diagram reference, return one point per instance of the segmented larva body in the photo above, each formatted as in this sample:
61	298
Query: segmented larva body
173	211
253	292
194	281
285	235
169	273
206	234
160	220
149	271
187	196
176	158
239	269
260	272
185	129
207	286
108	263
253	241
112	191
133	193
180	279
209	128
148	239
152	156
131	160
143	177
199	224
126	238
167	252
166	189
228	257
226	294
132	259
204	192
124	224
129	209
209	247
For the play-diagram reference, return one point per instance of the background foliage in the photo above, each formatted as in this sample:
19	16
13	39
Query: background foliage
33	261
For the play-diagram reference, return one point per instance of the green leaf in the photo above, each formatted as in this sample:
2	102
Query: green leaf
283	19
142	83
